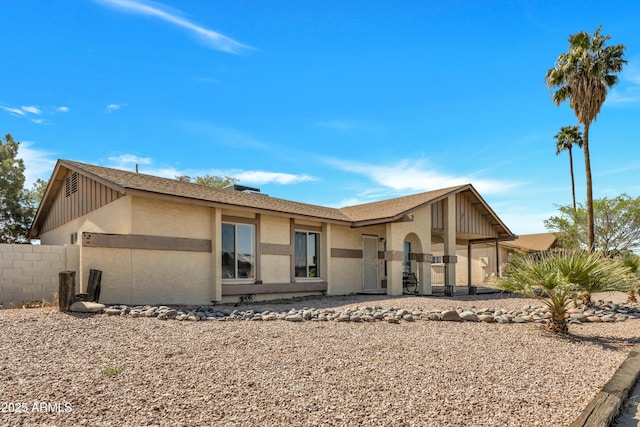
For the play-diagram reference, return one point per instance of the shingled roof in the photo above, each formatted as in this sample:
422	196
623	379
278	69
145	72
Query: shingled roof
134	183
126	181
533	242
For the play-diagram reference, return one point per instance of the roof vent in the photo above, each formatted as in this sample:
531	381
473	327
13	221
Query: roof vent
244	189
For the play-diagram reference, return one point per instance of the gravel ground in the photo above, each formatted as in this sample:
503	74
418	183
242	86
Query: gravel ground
62	369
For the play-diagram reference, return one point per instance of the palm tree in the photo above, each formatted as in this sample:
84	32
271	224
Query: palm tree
565	140
583	75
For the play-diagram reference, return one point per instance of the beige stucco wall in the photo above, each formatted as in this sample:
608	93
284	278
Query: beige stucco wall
275	268
274	229
162	218
346	274
136	276
112	218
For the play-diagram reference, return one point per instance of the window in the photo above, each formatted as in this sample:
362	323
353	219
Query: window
74	238
436	259
307	254
238	251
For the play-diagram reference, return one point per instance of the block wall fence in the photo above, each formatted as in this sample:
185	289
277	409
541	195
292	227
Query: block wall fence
30	272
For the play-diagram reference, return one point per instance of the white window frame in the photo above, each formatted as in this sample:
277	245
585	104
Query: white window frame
318	262
250	277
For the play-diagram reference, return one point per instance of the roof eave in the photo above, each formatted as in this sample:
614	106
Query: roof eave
54	184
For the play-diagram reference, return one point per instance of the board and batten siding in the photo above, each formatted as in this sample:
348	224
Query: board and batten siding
468	219
78	195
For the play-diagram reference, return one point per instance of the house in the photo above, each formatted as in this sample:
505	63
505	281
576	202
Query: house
160	240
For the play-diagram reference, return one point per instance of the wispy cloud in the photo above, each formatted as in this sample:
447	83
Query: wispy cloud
209	80
37	163
31	109
339	125
113	107
255	177
263	177
126	160
224	135
210	38
628	89
33	113
631	167
13	111
416	175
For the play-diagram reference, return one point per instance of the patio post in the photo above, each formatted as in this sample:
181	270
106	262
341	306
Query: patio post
449	258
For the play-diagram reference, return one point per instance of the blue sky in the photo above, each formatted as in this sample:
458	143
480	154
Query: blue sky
332	103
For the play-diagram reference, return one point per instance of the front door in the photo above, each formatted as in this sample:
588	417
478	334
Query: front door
369	263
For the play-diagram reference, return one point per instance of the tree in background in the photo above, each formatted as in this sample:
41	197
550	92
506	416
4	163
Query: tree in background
582	76
565	140
35	195
211	181
16	212
215	181
616	225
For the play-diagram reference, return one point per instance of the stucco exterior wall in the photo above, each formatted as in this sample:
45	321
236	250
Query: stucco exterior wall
112	218
346	275
30	272
135	276
274	229
162	218
140	276
275	268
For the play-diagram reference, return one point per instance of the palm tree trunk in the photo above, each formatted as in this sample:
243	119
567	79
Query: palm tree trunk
587	164
573	183
557	323
631	297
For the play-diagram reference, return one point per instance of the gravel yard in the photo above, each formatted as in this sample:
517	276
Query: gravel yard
76	369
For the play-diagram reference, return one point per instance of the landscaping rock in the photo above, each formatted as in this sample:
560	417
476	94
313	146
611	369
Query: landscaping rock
469	316
450	316
86	307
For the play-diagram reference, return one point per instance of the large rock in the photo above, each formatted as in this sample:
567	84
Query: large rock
487	318
294	318
450	316
86	307
469	316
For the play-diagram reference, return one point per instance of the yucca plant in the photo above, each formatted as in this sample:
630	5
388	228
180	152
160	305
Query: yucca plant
557	278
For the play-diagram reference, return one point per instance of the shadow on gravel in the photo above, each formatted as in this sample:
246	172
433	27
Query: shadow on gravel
606	342
80	316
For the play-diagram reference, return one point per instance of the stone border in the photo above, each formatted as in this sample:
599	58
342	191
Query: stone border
605	407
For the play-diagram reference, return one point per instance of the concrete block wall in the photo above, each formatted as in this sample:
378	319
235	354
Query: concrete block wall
30	272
